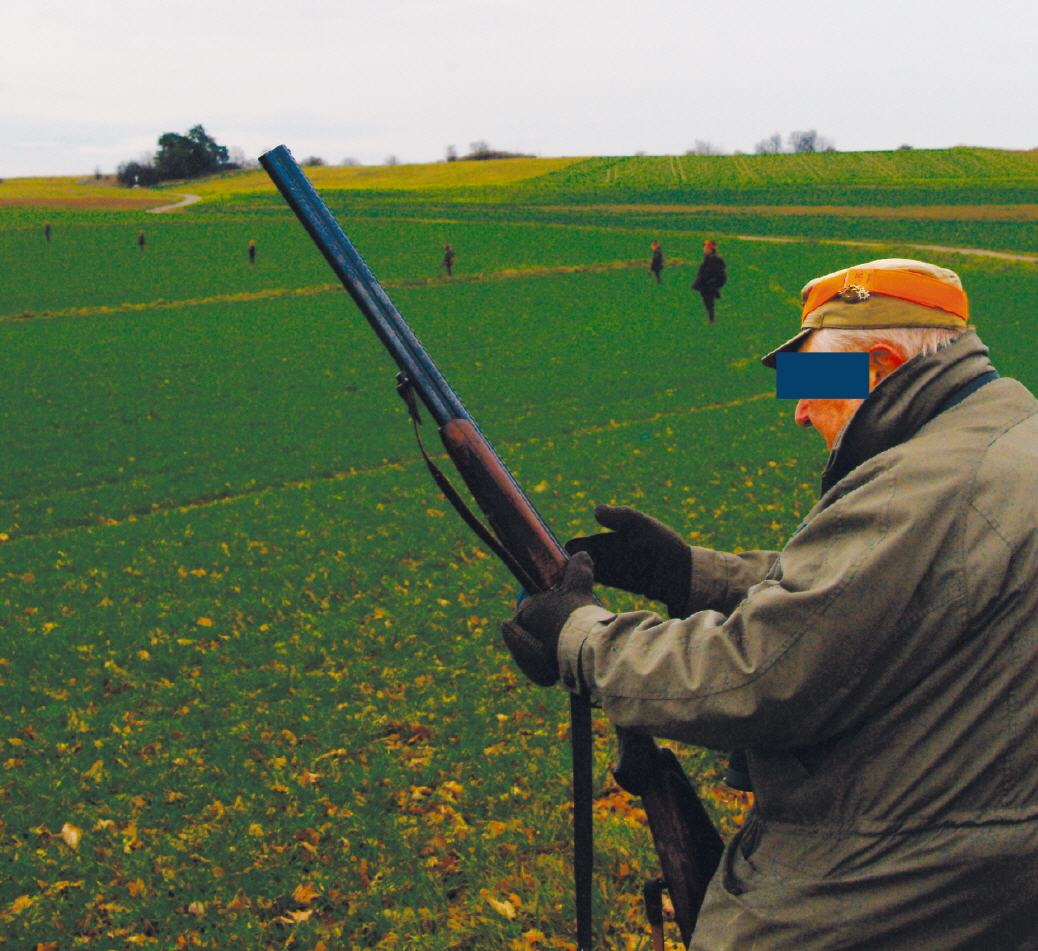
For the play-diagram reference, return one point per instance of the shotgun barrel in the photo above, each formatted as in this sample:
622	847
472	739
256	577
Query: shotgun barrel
539	557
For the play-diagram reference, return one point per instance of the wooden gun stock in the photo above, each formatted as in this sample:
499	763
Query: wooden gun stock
687	844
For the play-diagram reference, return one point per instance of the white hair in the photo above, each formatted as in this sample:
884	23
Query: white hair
908	341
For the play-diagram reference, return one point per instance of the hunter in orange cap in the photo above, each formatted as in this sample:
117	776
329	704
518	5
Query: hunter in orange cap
877	669
710	278
656	264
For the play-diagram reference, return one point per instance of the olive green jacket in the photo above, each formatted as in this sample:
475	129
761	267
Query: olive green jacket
882	672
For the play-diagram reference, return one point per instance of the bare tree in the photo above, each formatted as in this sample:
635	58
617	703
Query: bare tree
803	141
392	160
313	161
772	145
704	147
482	151
349	161
452	154
809	141
238	158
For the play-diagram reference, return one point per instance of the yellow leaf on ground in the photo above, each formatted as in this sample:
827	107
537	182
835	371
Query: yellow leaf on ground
504	908
95	771
238	903
71	835
305	893
452	788
204	622
20	904
295	917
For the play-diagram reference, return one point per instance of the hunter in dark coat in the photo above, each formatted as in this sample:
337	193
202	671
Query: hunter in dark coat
656	265
710	278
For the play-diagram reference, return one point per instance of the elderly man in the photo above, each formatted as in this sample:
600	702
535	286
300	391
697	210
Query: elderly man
881	671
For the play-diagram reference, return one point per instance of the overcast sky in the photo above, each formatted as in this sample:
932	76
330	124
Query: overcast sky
90	83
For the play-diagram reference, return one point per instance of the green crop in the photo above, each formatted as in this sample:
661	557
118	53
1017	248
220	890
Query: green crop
254	693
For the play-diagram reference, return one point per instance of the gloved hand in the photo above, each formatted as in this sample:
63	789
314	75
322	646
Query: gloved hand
640	555
533	634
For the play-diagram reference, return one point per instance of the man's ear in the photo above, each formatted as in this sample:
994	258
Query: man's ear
883	360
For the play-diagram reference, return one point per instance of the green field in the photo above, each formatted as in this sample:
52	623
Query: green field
254	689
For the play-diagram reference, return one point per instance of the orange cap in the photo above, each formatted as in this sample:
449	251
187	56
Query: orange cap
858	284
890	292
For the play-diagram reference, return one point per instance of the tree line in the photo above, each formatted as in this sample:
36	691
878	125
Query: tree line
197	153
799	141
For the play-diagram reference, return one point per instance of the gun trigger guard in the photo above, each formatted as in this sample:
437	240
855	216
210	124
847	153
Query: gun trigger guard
405	391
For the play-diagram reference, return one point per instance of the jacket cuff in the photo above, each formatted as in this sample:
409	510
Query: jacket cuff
709	588
580	625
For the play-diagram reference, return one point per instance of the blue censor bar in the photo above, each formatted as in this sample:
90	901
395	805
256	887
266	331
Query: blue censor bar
831	376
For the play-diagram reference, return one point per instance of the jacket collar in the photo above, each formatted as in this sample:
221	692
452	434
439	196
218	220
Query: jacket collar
904	402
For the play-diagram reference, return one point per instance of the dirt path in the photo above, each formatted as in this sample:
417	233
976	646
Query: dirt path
271	293
183	203
978	252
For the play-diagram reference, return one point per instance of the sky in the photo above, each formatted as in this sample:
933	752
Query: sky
87	85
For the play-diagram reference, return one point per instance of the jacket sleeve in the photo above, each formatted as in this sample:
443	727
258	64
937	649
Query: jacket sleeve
808	652
720	580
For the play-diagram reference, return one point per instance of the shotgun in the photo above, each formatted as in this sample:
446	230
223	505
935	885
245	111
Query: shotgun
521	539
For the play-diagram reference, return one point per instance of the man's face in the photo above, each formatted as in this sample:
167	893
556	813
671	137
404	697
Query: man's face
829	416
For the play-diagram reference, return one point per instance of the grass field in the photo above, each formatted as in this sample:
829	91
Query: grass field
254	690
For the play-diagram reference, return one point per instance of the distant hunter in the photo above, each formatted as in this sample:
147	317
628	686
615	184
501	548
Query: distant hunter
710	278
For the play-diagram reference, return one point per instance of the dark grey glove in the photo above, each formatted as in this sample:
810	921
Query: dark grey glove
533	634
640	555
